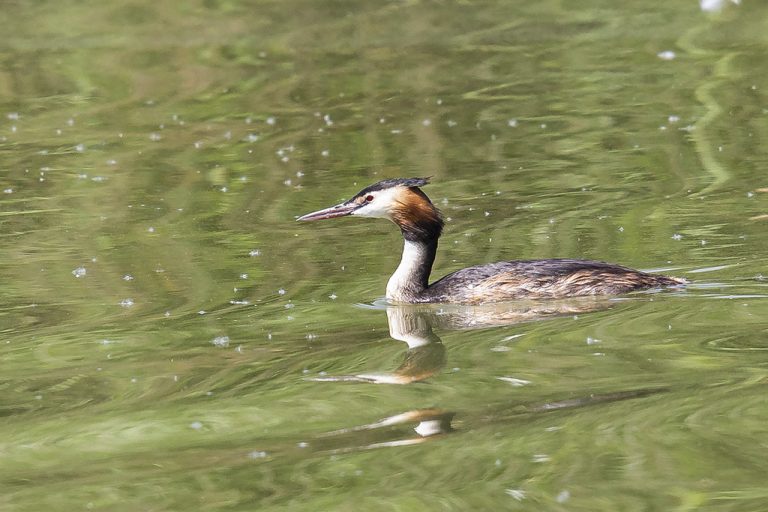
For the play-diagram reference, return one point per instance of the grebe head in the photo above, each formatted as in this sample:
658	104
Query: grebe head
399	200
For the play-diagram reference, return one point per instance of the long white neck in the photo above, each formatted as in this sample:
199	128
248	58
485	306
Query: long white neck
412	275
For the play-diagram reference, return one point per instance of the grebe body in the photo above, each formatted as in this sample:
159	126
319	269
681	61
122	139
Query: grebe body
403	202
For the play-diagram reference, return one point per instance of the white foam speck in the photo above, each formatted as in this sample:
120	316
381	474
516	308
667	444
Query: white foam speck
126	303
79	272
666	55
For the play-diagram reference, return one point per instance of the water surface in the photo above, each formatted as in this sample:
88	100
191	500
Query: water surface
173	339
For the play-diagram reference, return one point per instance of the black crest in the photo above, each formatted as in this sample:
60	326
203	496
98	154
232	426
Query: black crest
396	182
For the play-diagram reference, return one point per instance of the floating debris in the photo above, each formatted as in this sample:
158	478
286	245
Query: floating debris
79	272
220	341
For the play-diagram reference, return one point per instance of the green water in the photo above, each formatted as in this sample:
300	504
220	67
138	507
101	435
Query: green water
173	340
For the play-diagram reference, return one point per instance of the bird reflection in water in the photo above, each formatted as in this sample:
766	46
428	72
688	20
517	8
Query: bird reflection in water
426	355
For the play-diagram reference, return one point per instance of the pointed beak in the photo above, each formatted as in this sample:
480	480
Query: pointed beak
340	210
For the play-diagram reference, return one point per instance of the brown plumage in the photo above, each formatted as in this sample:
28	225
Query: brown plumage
403	202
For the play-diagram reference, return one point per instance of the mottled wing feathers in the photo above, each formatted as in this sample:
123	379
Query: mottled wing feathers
539	279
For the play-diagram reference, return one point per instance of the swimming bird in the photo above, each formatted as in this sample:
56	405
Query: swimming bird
403	202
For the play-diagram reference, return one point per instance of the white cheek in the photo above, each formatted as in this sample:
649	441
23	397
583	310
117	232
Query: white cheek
379	207
372	210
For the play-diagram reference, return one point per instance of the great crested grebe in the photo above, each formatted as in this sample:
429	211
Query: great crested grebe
402	201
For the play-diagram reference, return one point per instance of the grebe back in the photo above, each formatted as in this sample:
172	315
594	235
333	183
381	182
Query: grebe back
403	202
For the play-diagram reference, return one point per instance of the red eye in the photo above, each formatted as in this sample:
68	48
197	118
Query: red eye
369	198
